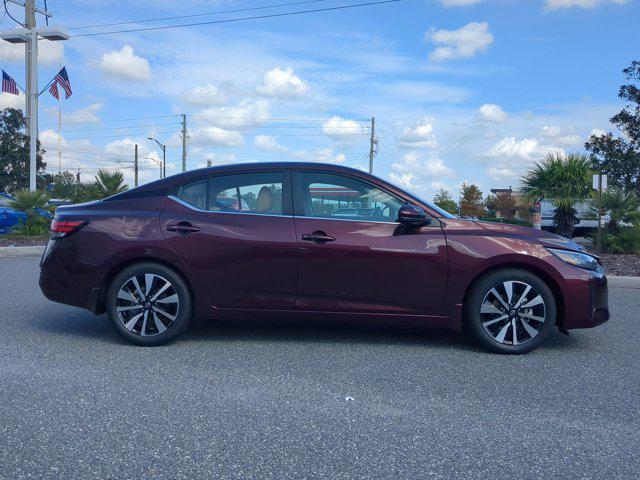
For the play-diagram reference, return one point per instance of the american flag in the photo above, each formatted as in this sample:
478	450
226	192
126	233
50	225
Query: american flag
53	90
63	79
9	85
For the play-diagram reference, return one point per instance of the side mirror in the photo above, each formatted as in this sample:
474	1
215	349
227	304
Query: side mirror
412	216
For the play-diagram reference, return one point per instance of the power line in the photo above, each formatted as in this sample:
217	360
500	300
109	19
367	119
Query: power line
221	12
230	20
9	13
111	121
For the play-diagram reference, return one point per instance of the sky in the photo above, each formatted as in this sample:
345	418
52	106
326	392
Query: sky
461	90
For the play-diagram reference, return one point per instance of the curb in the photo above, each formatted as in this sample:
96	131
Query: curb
35	251
31	251
623	282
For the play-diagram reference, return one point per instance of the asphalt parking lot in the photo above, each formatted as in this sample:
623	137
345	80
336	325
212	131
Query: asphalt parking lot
289	401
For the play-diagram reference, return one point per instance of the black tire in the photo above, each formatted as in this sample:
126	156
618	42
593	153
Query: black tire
486	327
181	309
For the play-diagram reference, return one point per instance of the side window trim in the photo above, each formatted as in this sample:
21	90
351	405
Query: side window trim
299	194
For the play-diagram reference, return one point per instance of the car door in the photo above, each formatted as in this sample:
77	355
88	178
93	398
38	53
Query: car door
354	256
235	232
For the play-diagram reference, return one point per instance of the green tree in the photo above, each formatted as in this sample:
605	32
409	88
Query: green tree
619	156
563	181
32	204
109	183
505	203
443	200
64	185
14	153
471	204
621	206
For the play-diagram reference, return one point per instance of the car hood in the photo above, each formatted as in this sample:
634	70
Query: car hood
548	239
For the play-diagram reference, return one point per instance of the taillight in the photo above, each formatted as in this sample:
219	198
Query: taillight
62	228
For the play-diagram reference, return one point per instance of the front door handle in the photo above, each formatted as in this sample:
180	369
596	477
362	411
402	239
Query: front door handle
183	228
317	237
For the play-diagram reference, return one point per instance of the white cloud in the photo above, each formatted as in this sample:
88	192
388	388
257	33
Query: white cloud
245	113
414	173
491	112
82	115
418	135
204	95
459	3
269	143
560	4
126	147
404	179
561	138
462	43
327	155
283	84
527	149
216	136
497	173
342	129
429	168
124	64
49	53
8	100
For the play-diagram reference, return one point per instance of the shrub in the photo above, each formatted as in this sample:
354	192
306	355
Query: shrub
625	240
33	205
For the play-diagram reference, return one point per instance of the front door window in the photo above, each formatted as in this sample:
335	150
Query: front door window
338	197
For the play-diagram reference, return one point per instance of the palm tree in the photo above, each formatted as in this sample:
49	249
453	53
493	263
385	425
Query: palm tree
33	204
108	184
622	207
563	180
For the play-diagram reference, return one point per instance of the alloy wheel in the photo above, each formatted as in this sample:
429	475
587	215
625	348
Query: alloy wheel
512	312
147	304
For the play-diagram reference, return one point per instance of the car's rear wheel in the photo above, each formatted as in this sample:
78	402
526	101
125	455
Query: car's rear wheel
149	304
510	311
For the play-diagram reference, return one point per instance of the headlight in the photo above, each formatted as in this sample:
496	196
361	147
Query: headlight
577	259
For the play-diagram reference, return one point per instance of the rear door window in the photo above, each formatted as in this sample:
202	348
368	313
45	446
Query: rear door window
252	193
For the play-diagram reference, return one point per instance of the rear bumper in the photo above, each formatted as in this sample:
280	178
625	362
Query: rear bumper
587	303
58	286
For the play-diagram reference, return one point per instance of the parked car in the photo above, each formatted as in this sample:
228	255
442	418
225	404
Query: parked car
8	216
158	255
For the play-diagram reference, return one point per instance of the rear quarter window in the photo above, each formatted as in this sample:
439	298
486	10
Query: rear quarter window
194	193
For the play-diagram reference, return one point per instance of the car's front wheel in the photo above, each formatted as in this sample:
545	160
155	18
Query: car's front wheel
510	311
149	304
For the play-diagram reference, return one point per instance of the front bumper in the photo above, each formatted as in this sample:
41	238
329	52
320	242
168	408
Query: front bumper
587	303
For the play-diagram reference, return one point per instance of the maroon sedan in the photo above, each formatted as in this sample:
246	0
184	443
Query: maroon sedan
304	239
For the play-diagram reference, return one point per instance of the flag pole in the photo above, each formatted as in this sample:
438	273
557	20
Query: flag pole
59	136
59	132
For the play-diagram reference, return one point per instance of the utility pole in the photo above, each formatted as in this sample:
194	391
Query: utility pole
31	66
373	143
135	167
184	143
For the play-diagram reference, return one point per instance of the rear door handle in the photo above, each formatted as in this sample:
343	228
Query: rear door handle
183	228
317	237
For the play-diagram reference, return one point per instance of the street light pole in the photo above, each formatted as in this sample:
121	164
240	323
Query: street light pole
29	36
163	170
